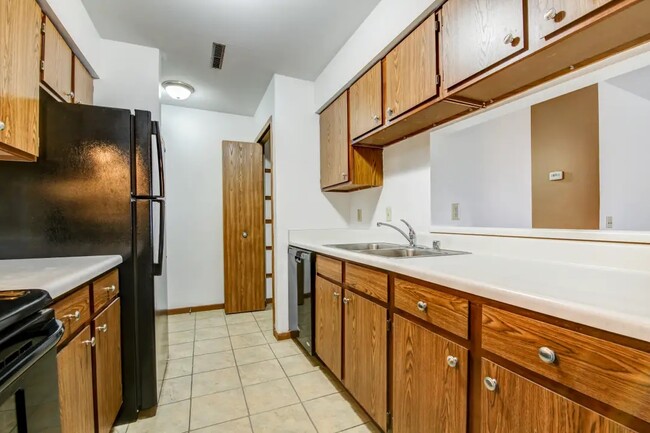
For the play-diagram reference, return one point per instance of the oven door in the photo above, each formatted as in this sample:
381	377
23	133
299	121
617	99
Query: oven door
29	397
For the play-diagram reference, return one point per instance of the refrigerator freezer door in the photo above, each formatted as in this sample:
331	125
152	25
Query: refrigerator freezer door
148	157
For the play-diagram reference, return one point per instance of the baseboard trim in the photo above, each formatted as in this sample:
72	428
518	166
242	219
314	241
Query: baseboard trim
269	301
186	310
284	335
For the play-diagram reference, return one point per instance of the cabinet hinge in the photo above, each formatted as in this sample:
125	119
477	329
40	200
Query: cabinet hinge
438	79
42	65
438	26
388	325
43	28
389	421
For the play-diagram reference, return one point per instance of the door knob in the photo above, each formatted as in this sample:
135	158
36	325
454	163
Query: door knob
2	126
244	235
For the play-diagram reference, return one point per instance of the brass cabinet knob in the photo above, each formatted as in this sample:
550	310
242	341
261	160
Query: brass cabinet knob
452	361
422	306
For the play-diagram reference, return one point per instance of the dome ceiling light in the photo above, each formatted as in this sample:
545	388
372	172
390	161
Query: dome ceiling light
178	90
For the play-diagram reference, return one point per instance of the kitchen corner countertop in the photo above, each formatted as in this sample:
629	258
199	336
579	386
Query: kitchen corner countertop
614	300
56	275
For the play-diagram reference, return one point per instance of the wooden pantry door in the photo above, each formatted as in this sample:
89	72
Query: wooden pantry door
243	227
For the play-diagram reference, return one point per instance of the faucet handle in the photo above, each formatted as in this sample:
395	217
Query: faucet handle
436	245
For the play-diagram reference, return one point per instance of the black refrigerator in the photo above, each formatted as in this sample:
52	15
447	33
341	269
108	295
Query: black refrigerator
98	189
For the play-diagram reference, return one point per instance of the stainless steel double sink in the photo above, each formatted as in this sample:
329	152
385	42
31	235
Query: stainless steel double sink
383	249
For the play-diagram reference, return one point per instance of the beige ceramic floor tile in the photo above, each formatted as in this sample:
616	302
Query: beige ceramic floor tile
202	347
182	350
119	428
242	425
292	419
176	389
211	333
259	372
181	337
285	348
178	368
233	319
298	364
175	318
313	385
270	395
261	315
210	322
265	324
243	328
170	418
181	326
209	314
215	381
268	335
217	408
213	361
247	340
253	354
366	428
334	413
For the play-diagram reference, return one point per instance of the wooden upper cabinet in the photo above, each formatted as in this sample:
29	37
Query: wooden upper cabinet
334	143
515	404
108	366
57	63
411	70
429	388
478	34
366	355
20	52
76	385
548	16
328	324
83	84
365	103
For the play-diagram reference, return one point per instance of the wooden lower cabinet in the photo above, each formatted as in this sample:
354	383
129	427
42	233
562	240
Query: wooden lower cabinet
366	355
75	371
515	404
328	324
429	391
108	366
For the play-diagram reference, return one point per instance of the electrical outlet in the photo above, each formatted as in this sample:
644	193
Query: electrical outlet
455	212
389	214
610	222
359	215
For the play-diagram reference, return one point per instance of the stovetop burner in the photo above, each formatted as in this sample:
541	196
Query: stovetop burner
16	305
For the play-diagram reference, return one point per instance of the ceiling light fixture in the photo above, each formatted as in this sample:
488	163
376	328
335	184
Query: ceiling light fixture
178	89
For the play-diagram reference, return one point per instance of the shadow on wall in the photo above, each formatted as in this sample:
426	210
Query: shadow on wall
340	202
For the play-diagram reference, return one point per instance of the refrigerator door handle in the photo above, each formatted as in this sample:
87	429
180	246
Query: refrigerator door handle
158	265
155	130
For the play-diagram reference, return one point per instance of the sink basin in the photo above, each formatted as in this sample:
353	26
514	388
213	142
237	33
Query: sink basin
366	246
413	252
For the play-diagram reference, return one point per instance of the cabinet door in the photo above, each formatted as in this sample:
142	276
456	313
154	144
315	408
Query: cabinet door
108	366
57	62
75	371
20	52
478	34
411	70
334	143
365	374
515	404
551	15
83	84
365	103
429	390
328	324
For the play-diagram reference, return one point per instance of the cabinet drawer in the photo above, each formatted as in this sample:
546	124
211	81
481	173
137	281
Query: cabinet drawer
549	16
73	311
446	311
609	372
373	283
105	289
330	268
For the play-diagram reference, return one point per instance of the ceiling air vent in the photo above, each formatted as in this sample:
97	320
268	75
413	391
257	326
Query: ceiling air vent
218	51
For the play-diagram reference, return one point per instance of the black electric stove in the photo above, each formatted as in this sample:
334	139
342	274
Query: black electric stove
29	333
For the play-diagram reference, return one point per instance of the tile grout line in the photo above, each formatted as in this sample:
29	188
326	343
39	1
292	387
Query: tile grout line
248	411
189	418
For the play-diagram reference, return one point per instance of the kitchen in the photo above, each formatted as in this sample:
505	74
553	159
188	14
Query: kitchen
144	246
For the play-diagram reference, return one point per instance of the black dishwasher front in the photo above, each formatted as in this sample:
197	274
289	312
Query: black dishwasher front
302	271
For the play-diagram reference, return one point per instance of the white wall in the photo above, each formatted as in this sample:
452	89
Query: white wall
194	201
624	156
406	187
486	169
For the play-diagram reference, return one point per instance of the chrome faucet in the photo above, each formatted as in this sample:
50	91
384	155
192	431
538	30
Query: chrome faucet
411	237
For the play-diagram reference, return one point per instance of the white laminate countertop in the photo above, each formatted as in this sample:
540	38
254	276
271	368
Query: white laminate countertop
610	299
57	275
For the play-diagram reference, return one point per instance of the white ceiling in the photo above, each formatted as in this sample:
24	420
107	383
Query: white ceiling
637	82
296	38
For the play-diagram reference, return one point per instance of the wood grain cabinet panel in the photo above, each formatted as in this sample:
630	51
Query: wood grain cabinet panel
429	394
366	355
328	324
372	283
105	289
330	268
334	143
83	84
73	311
365	103
519	405
75	372
549	16
20	52
606	371
57	63
108	366
411	70
478	34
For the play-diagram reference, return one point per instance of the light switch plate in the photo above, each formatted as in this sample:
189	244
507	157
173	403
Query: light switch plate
556	175
389	214
610	222
359	215
455	211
